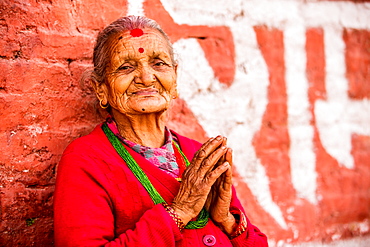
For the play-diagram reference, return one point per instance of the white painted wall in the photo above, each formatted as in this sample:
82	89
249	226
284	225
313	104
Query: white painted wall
236	112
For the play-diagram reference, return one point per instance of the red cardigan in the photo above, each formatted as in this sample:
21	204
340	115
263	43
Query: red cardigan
99	202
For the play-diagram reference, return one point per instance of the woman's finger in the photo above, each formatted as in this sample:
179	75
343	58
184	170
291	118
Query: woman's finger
229	156
216	173
223	158
210	162
206	149
227	180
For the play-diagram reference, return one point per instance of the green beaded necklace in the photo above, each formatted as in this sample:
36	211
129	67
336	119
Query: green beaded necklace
143	178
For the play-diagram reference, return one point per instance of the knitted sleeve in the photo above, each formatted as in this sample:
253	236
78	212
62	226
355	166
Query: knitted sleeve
252	235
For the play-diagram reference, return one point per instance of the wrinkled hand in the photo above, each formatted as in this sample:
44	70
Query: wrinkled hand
198	179
219	198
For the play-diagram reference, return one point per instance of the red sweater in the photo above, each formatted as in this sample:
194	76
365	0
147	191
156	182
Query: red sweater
99	202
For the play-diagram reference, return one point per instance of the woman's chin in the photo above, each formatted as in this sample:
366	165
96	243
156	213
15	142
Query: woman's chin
150	106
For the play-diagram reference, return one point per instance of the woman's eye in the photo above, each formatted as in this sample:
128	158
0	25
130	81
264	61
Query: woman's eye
125	67
159	63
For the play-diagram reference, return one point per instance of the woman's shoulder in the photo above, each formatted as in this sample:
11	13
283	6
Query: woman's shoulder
91	152
95	140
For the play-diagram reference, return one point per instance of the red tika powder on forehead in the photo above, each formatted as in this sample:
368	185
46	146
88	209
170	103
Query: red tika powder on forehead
141	50
137	32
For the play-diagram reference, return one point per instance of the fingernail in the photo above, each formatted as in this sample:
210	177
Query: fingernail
218	138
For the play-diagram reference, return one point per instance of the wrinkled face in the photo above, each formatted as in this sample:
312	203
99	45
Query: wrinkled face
141	77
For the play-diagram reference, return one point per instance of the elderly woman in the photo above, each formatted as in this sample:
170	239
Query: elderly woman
134	182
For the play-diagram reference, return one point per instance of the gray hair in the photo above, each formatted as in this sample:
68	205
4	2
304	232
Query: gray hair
102	45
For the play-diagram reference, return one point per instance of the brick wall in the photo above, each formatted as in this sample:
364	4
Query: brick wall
286	81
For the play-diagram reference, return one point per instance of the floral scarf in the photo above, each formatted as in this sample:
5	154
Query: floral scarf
164	157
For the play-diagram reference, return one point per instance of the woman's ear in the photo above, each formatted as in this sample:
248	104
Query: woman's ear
175	94
101	91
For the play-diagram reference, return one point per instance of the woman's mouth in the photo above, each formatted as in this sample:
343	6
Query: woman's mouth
144	92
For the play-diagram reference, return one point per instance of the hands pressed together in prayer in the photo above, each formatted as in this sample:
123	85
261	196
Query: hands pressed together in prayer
207	182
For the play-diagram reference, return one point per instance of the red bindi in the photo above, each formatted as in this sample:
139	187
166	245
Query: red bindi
137	32
141	50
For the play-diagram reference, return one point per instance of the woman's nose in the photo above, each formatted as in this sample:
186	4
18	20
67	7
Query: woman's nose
145	76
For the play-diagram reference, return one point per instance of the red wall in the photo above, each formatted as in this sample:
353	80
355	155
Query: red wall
46	45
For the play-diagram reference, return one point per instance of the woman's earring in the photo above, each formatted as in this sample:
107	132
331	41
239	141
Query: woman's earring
103	106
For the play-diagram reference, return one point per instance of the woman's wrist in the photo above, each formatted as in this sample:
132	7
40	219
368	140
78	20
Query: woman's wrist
183	215
229	225
174	215
241	223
